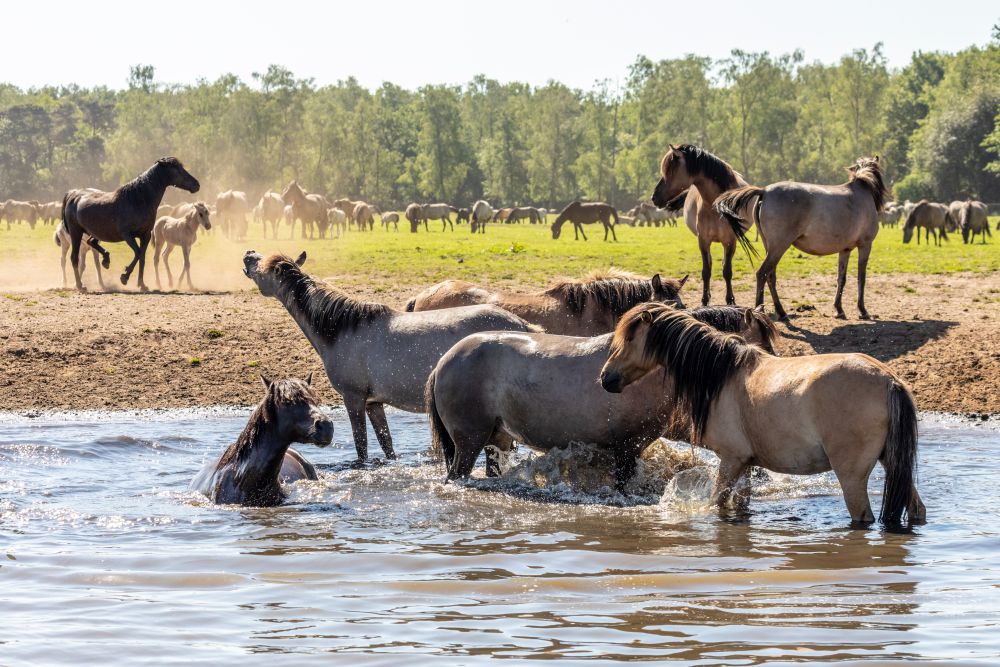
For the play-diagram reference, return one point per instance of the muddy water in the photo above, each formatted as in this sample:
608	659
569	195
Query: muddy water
106	558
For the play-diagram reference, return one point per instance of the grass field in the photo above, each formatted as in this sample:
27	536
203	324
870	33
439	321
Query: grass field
524	254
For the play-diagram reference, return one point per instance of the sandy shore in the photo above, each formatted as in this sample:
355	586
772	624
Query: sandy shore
63	350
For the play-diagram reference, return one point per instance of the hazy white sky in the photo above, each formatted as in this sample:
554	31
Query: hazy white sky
448	41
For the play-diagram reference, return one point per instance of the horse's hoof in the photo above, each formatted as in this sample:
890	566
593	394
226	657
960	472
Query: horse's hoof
864	315
124	279
143	288
106	262
841	316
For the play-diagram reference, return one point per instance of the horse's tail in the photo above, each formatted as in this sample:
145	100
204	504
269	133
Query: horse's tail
899	455
728	206
441	443
411	304
614	214
911	219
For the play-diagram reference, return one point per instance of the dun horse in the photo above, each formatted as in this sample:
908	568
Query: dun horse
440	212
581	214
251	470
311	209
699	177
527	397
793	415
170	232
816	219
481	214
973	219
232	208
932	217
415	215
373	355
269	210
127	214
571	307
392	217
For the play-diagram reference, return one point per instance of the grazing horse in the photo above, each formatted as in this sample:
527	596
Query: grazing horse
127	214
392	217
347	206
62	239
251	470
415	215
462	215
793	415
502	215
581	214
542	215
21	211
311	209
170	232
932	217
232	208
481	214
973	218
270	209
529	213
571	307
440	212
703	177
526	398
816	219
373	355
363	216
656	217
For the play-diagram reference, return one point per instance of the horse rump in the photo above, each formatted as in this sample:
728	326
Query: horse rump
899	456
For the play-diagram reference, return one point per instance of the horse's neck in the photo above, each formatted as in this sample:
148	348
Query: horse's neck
260	460
709	189
150	186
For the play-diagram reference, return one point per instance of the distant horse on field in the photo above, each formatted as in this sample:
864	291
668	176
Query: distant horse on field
392	217
311	209
170	232
932	217
415	215
482	212
127	214
816	219
462	215
363	216
581	214
440	212
973	218
269	210
232	209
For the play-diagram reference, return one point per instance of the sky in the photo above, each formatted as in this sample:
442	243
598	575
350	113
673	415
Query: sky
417	42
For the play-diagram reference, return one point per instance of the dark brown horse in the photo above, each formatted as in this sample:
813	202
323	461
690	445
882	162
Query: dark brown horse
581	214
127	214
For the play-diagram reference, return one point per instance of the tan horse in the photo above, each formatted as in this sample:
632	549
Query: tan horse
50	212
694	178
482	212
347	206
646	213
391	217
338	220
233	208
373	355
571	307
415	215
251	470
21	211
311	209
62	239
440	212
973	218
269	210
793	415
932	217
363	216
529	213
816	219
581	214
541	392
170	232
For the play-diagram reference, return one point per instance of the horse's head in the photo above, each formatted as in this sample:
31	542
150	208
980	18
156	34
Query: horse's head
296	410
267	272
668	291
674	177
628	360
177	175
759	330
292	193
201	212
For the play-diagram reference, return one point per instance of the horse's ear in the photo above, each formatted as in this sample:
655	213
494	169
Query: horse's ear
646	316
301	259
309	378
265	381
876	157
657	283
684	279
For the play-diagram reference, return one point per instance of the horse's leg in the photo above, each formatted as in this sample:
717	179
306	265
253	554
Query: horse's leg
186	249
143	245
134	245
376	414
166	263
706	272
64	248
498	454
624	466
105	255
768	271
863	252
75	237
97	266
916	510
730	472
728	250
582	233
355	405
157	247
854	485
842	260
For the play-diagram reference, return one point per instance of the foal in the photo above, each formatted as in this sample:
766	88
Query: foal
178	232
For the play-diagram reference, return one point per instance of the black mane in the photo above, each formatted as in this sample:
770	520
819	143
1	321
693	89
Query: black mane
699	161
615	293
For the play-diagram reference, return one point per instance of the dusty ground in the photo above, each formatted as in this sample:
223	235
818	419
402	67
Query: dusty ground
61	350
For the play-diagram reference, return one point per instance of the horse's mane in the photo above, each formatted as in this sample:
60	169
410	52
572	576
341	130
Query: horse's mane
329	310
699	161
699	359
867	171
730	319
611	289
140	191
278	393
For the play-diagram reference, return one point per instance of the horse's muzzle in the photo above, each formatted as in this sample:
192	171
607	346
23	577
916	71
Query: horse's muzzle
323	433
611	381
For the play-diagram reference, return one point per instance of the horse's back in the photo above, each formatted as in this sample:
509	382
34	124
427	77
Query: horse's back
451	294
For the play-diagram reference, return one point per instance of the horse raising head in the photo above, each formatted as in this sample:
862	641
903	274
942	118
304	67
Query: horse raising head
266	273
177	175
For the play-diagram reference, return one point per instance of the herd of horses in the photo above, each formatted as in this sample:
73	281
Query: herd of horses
615	359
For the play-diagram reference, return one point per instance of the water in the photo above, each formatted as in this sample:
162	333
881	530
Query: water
106	557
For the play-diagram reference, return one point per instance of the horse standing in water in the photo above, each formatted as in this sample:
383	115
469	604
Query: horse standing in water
373	355
127	214
695	177
581	214
570	307
251	470
526	398
816	219
793	415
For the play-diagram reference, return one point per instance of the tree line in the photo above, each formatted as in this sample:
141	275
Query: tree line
934	122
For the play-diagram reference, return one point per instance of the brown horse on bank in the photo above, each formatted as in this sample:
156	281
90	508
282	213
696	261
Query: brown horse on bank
127	214
586	307
581	214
